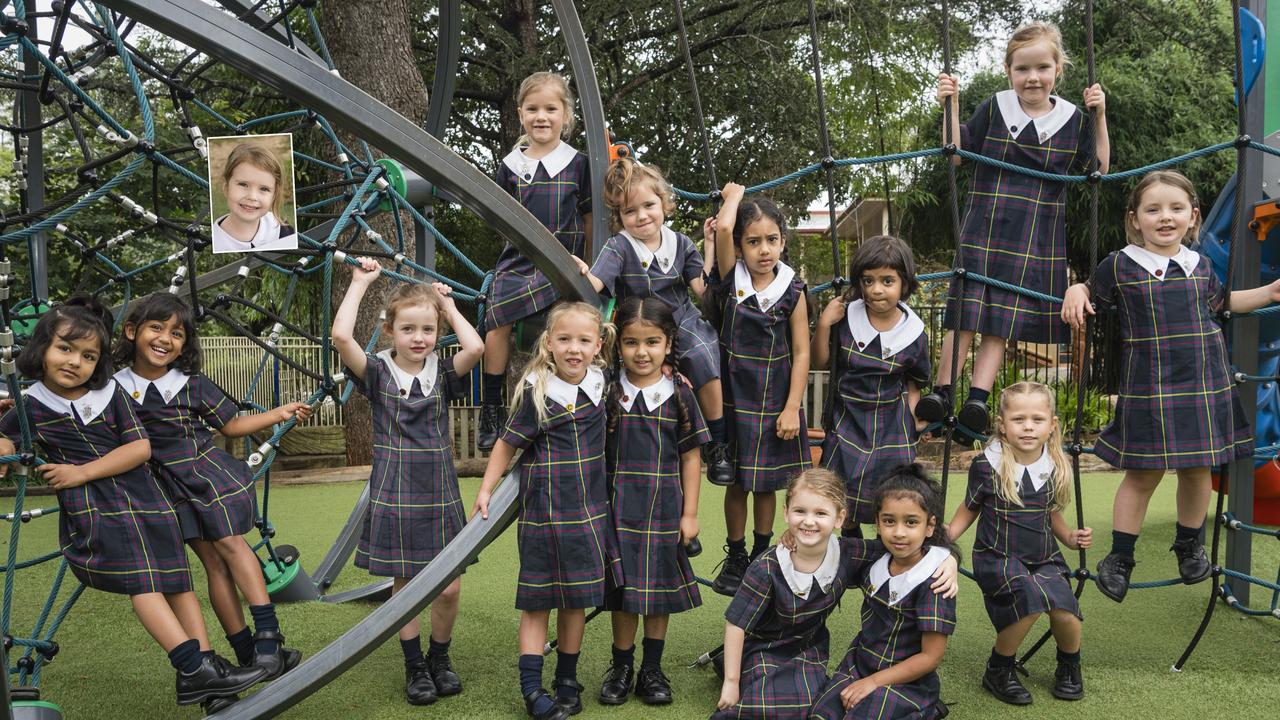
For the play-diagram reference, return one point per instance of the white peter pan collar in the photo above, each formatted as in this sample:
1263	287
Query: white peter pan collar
1157	264
524	166
665	255
892	341
567	395
168	384
1040	471
87	407
404	381
1047	125
801	583
767	297
654	395
267	237
901	585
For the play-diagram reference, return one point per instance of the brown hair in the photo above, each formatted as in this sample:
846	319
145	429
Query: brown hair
556	81
1037	32
412	295
264	161
820	482
1007	478
1172	178
624	176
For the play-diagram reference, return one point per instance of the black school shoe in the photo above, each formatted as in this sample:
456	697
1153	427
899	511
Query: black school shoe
216	678
1193	562
279	662
731	572
491	419
1113	576
616	687
442	674
419	688
1069	683
973	416
933	408
652	686
1003	683
554	712
218	704
719	466
573	705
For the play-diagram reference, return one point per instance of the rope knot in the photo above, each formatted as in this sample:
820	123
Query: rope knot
828	162
14	26
1242	142
950	149
1095	177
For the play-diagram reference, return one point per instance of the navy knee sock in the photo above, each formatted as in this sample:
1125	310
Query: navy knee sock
653	652
998	660
264	618
739	545
186	657
1182	532
716	428
759	543
566	669
242	645
979	394
437	649
531	682
1066	657
491	388
412	650
1123	543
624	657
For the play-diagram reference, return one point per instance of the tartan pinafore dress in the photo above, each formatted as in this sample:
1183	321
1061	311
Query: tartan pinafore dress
873	429
629	269
1016	559
1015	226
896	611
1177	405
414	505
212	491
787	644
647	496
119	534
755	361
557	190
568	547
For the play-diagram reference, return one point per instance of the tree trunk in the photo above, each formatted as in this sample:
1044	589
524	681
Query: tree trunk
370	45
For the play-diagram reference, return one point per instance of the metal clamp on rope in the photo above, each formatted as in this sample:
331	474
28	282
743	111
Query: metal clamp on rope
139	210
342	157
197	141
1095	177
339	256
256	458
127	140
382	184
828	162
83	74
274	336
950	150
178	279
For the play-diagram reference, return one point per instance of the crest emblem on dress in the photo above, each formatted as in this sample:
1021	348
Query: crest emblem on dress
168	395
88	410
893	596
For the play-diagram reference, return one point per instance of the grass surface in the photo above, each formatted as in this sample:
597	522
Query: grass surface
109	668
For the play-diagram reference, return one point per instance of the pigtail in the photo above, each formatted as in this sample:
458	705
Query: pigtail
1007	479
613	406
1061	472
683	423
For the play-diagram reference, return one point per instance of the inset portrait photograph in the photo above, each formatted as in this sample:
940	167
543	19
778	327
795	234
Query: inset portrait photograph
251	196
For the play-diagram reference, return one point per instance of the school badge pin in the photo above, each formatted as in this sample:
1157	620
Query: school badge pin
893	596
136	394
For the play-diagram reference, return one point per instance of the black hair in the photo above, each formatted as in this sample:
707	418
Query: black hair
79	317
160	307
753	209
749	210
877	252
912	481
654	312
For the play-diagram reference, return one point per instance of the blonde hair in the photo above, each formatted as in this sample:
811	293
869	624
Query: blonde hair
1037	32
264	161
1007	478
556	81
413	295
623	177
1172	178
821	482
542	365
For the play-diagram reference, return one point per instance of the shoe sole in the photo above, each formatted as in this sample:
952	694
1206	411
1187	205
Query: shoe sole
1196	580
198	697
1067	696
613	701
724	590
966	419
718	483
450	693
1004	698
1107	593
666	700
931	412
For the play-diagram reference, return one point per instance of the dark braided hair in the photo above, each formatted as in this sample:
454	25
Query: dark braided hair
650	311
912	481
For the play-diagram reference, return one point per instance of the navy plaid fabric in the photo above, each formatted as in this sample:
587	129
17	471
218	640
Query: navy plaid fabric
648	499
568	548
213	489
755	359
889	635
785	654
624	275
874	429
518	289
1015	225
1177	405
414	505
1016	559
119	534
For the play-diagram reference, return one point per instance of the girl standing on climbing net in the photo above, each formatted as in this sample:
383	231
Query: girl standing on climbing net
552	180
414	505
1015	225
1018	488
568	548
1177	407
213	492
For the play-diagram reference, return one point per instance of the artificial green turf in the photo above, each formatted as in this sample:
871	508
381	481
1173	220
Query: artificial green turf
109	668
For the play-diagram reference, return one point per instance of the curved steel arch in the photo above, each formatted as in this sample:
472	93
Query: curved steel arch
584	76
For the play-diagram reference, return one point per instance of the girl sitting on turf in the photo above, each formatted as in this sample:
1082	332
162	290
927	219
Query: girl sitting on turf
568	549
414	505
776	643
881	361
116	525
1018	488
654	433
213	492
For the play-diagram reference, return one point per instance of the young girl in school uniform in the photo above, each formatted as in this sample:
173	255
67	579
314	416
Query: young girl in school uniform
1015	225
1177	408
568	549
213	492
414	505
116	524
646	258
553	181
889	669
764	359
1018	488
776	643
654	433
881	362
253	184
